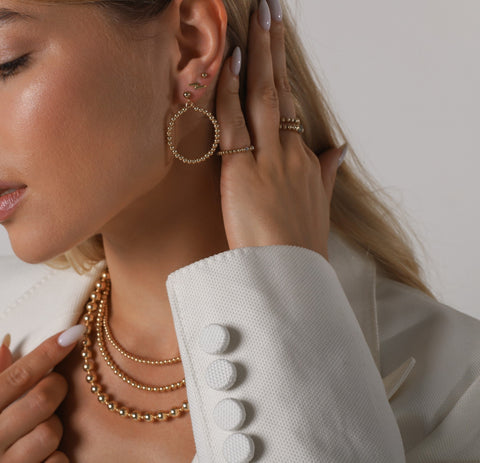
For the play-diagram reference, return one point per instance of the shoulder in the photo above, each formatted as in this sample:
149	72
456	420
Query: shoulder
445	344
37	301
17	278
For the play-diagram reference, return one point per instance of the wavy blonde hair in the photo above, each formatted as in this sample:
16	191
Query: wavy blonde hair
361	211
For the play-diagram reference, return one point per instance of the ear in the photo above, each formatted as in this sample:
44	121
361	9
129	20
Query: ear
200	40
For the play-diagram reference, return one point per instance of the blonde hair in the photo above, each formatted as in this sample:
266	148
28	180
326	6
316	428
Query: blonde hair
361	211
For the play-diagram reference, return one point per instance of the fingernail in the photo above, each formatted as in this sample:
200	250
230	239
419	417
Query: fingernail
275	9
264	17
236	62
344	149
6	340
71	335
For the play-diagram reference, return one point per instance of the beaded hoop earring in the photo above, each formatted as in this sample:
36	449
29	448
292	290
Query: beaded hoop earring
190	104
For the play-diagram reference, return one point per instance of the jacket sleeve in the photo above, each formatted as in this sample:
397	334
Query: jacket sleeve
276	366
438	406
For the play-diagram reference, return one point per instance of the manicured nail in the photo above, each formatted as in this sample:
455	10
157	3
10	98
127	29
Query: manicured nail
236	62
6	340
71	335
264	16
344	149
275	9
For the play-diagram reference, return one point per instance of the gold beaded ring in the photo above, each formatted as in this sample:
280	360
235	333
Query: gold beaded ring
290	123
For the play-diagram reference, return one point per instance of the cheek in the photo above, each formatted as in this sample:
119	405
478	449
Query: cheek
84	154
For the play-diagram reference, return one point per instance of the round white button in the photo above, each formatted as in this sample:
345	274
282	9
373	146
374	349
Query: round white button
214	338
229	414
221	374
238	448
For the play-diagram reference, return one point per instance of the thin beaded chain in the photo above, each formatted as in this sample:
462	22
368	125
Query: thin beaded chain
120	373
116	345
99	300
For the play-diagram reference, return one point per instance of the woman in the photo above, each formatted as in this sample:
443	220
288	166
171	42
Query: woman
252	305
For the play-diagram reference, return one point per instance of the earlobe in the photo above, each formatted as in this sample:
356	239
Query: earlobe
201	44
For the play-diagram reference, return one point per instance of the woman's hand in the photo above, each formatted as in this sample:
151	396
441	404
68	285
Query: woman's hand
30	432
280	193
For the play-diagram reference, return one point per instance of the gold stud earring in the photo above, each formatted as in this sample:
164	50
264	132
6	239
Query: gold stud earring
190	104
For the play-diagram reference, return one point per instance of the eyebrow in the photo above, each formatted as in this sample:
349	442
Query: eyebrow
9	16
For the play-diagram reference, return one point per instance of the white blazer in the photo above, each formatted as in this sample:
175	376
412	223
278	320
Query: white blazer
331	360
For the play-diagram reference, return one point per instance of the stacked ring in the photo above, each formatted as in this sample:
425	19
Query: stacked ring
290	123
286	123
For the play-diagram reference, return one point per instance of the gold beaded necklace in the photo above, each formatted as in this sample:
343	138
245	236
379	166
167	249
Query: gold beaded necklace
95	309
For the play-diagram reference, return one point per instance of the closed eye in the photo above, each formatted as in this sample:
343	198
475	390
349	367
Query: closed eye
12	67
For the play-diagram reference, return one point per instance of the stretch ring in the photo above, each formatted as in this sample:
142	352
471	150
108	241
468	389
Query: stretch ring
236	150
290	123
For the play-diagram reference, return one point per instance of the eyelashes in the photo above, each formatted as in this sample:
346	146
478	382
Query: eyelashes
12	67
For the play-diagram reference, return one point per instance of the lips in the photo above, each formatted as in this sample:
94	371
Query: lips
10	187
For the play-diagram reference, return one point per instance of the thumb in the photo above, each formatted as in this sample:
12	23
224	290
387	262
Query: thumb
5	354
329	161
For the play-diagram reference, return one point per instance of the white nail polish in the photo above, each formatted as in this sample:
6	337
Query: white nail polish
236	63
264	16
342	156
275	9
71	335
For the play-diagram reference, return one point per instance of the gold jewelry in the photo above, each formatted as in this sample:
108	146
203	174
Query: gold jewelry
99	300
190	104
113	341
118	371
236	150
290	123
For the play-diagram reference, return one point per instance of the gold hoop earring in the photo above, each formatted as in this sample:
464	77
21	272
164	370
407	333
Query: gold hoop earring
190	104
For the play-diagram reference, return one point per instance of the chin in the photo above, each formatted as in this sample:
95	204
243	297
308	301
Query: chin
36	248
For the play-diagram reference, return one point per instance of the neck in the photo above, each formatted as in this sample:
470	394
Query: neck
150	239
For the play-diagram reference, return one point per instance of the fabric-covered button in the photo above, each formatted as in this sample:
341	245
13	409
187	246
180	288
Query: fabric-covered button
221	374
214	338
229	414
238	448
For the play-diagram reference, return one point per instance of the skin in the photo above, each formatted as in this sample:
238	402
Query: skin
83	126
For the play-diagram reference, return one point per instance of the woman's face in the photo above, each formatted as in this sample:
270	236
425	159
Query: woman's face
81	123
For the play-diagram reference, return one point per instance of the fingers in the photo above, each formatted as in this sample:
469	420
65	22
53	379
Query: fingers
57	457
38	445
329	167
5	354
29	370
262	99
234	133
22	416
279	60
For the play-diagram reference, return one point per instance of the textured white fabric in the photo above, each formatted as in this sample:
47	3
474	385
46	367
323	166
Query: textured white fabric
221	374
238	448
319	348
214	338
229	414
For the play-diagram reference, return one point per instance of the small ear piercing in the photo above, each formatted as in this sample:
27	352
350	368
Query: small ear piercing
197	85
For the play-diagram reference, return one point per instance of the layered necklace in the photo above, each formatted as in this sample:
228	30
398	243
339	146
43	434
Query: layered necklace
95	319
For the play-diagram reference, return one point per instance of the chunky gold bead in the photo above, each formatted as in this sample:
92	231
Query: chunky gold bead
88	365
173	412
91	377
123	411
147	417
95	388
112	406
135	415
86	354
